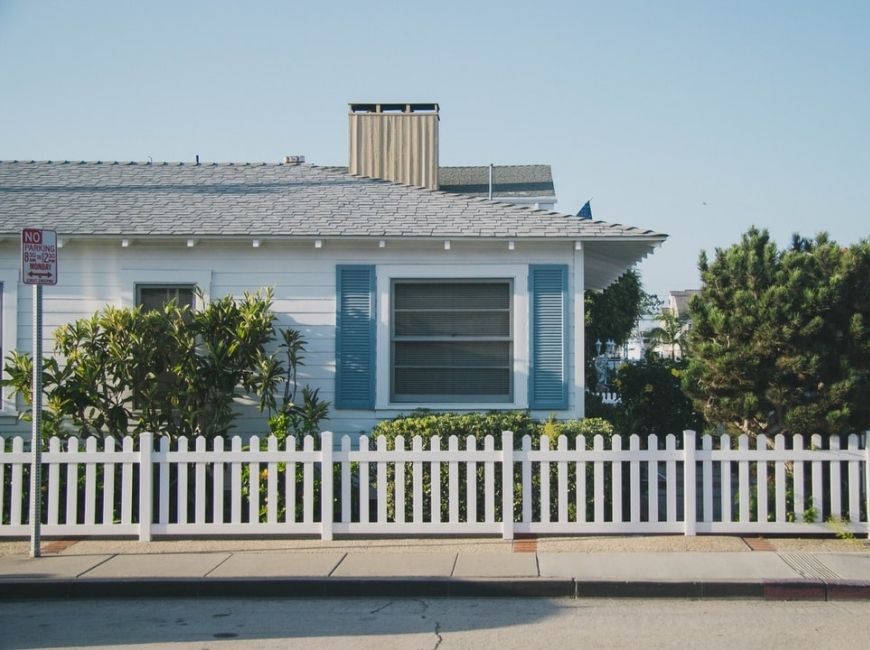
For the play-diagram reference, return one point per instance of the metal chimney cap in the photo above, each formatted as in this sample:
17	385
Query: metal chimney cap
393	107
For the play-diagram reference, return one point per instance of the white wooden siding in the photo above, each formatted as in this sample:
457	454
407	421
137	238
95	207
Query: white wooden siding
94	274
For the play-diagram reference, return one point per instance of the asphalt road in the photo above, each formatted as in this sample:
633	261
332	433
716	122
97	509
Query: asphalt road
430	624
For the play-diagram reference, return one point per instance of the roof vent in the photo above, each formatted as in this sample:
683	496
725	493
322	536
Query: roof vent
294	160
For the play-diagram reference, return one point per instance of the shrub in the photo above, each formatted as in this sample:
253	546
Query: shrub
172	371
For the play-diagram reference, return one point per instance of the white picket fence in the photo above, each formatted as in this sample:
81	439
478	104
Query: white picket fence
253	487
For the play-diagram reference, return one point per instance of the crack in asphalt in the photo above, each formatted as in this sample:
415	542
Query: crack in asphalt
438	634
382	607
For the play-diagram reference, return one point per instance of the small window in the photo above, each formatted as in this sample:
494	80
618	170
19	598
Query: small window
452	341
156	296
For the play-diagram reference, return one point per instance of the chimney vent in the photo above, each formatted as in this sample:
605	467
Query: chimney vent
294	160
395	142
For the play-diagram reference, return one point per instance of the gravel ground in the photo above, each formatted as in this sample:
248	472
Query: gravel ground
598	544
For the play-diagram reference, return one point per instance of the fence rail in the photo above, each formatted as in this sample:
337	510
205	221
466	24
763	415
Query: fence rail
685	485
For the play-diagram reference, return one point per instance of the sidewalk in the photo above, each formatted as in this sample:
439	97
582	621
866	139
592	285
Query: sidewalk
666	566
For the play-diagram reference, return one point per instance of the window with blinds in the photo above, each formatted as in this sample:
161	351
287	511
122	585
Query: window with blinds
451	341
152	296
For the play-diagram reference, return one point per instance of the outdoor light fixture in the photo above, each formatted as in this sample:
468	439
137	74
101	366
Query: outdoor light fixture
318	243
125	243
255	243
511	245
191	243
382	244
447	245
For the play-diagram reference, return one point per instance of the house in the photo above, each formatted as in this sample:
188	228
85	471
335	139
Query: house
408	296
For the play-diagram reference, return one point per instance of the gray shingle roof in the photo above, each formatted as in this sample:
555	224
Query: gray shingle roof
259	199
508	181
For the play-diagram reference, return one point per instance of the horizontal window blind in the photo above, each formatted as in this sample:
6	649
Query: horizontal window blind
452	341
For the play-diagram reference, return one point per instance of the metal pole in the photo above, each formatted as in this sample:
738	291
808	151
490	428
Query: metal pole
36	437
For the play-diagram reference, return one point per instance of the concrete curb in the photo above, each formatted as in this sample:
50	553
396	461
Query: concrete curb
429	588
287	588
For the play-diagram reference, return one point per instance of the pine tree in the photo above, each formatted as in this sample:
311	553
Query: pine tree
780	338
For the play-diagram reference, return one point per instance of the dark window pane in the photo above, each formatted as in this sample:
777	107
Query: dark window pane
453	323
452	384
454	295
430	367
155	297
428	354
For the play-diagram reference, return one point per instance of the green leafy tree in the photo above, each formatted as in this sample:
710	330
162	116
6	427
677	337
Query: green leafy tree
779	338
671	333
172	371
652	399
613	314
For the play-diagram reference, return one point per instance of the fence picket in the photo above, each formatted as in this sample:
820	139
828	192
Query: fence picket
417	481
453	481
854	481
634	478
489	482
217	499
471	481
435	474
725	477
798	478
199	483
364	485
382	481
400	482
181	485
127	482
580	467
544	469
345	480
707	480
253	480
652	446
290	481
16	494
308	482
616	480
761	445
598	480
236	477
690	483
526	466
743	495
108	482
327	469
780	476
562	487
272	483
163	480
818	489
3	479
72	481
671	477
53	483
836	502
90	483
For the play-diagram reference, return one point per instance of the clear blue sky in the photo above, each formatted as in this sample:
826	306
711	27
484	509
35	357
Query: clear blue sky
697	119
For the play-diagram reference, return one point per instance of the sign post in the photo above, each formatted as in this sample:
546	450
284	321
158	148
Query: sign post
38	267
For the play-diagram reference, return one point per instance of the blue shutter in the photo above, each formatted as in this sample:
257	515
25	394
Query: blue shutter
355	337
548	372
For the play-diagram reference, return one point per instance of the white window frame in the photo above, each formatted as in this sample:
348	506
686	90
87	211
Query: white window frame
517	274
9	278
200	279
